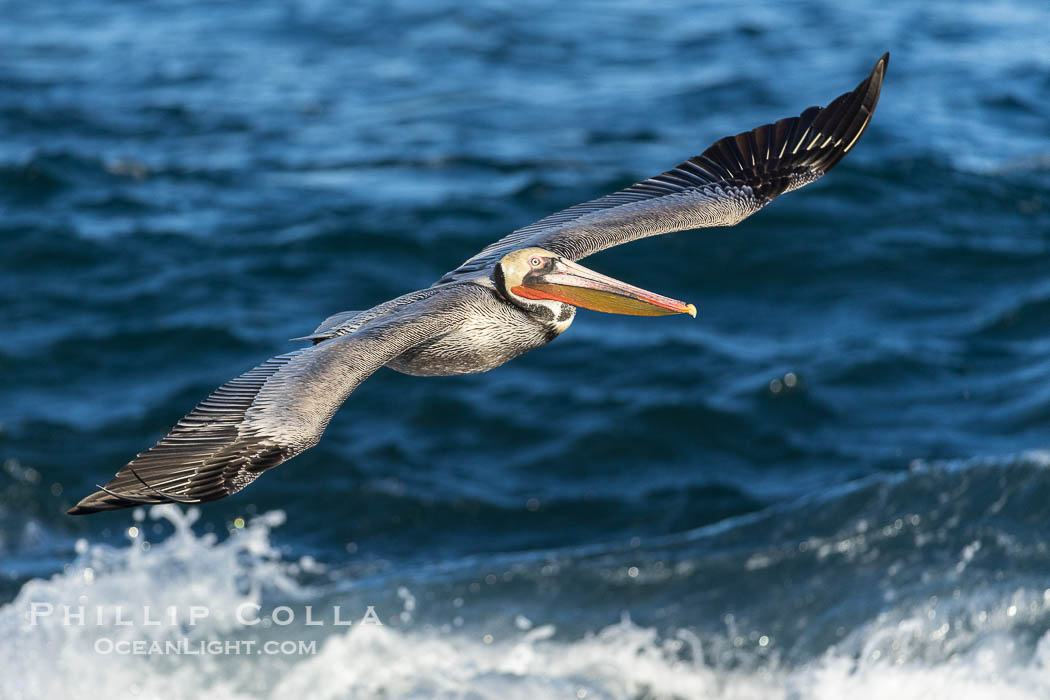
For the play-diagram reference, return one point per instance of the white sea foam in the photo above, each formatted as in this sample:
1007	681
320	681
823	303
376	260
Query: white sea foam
966	648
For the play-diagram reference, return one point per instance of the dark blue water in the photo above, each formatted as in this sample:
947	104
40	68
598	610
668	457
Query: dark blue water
643	508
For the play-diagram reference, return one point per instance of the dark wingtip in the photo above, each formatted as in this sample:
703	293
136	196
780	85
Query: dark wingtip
87	507
854	113
83	510
777	158
100	501
879	71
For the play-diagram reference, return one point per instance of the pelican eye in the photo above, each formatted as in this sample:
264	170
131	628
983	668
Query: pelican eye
535	261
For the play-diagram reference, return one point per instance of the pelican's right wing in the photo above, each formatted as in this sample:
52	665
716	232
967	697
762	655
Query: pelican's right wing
273	412
729	182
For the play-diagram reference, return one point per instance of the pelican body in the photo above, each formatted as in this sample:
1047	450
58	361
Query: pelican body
529	300
516	295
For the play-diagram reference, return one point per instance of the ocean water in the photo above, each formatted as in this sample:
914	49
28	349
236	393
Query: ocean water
833	483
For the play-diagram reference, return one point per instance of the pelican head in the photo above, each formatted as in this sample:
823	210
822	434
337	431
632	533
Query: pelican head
534	278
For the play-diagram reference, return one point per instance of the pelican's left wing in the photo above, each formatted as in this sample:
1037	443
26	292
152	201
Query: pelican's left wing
729	182
273	412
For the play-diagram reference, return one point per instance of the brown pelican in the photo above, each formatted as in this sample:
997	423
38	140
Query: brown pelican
517	294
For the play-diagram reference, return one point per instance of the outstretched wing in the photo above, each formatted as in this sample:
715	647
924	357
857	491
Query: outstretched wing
273	412
729	182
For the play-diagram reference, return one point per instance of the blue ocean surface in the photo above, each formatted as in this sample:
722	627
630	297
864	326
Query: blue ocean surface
833	483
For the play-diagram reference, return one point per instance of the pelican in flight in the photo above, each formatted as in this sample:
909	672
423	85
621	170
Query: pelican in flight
517	294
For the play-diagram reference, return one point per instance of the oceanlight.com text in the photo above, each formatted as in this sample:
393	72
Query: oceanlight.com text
186	647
